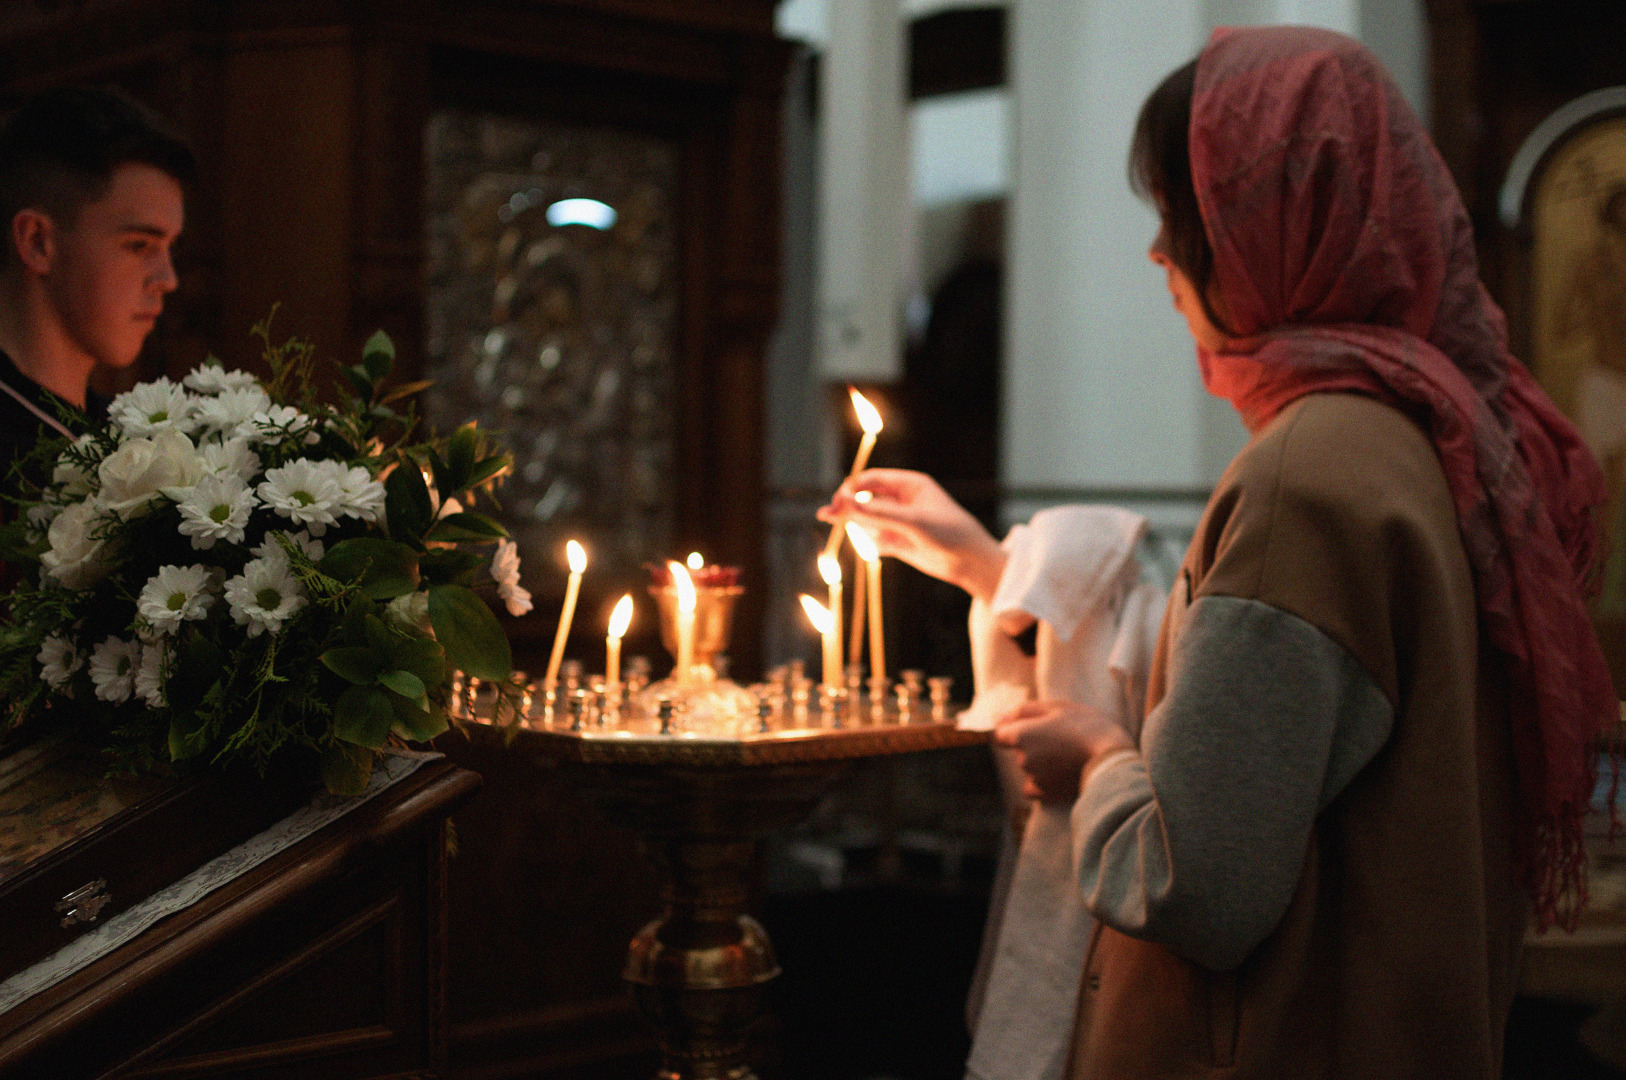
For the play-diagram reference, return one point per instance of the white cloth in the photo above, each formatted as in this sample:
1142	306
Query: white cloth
1073	569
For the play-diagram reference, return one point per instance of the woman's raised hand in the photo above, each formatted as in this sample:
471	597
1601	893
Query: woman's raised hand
913	519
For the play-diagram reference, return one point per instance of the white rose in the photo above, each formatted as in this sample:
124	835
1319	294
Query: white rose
75	557
132	474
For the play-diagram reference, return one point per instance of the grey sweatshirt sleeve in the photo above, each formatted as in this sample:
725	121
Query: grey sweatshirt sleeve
1198	841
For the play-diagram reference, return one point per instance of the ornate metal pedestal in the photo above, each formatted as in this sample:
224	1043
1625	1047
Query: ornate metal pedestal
701	805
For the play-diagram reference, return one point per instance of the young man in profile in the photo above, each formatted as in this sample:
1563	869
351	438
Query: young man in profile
91	201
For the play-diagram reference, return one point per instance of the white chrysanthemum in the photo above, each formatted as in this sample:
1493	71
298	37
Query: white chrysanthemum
279	422
59	658
305	492
113	666
215	508
264	596
223	414
505	572
230	458
360	495
211	378
149	676
149	408
270	548
174	595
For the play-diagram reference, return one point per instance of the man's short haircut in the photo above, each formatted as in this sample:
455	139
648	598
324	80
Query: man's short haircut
60	149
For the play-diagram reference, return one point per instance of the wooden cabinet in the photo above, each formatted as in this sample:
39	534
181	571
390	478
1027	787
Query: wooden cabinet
327	960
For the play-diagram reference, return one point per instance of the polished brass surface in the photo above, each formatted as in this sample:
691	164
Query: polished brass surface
713	619
697	972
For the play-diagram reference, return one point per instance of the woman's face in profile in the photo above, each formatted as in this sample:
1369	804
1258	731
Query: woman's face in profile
1186	300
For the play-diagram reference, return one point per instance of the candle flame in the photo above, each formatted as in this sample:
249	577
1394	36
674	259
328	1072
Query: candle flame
862	498
621	617
577	556
817	614
868	418
684	585
829	570
696	560
863	543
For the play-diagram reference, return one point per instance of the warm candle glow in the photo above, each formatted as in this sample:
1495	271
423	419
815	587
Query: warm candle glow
862	543
870	421
830	570
576	555
816	614
621	617
696	561
868	418
828	624
686	602
862	498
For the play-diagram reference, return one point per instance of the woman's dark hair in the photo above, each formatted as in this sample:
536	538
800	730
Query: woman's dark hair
61	148
1160	172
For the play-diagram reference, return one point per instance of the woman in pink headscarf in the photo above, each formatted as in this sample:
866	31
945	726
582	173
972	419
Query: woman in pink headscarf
1368	746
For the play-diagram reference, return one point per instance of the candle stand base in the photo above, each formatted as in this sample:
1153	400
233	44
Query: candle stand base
701	805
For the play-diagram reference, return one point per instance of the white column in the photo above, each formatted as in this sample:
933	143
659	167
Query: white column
1101	387
863	196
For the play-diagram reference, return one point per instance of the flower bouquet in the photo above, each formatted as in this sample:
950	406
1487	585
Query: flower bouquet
237	572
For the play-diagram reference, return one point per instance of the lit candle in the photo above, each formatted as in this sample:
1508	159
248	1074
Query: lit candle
870	421
830	570
685	620
865	547
577	555
826	622
620	619
696	561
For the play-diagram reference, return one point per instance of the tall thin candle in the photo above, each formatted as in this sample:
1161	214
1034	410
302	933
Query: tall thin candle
865	547
686	599
830	570
825	622
855	639
870	420
577	555
620	619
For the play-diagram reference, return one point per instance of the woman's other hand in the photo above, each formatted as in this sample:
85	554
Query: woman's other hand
913	519
1054	741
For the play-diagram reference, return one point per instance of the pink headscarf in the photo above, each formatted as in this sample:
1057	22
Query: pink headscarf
1344	260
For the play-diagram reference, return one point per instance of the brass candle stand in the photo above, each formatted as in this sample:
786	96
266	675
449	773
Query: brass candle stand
701	805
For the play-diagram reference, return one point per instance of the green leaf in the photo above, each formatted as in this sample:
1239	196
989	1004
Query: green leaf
346	769
460	454
378	355
354	626
448	566
466	526
404	683
379	636
494	465
358	664
422	656
406	501
383	568
363	716
406	389
442	476
414	723
469	632
186	736
358	380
